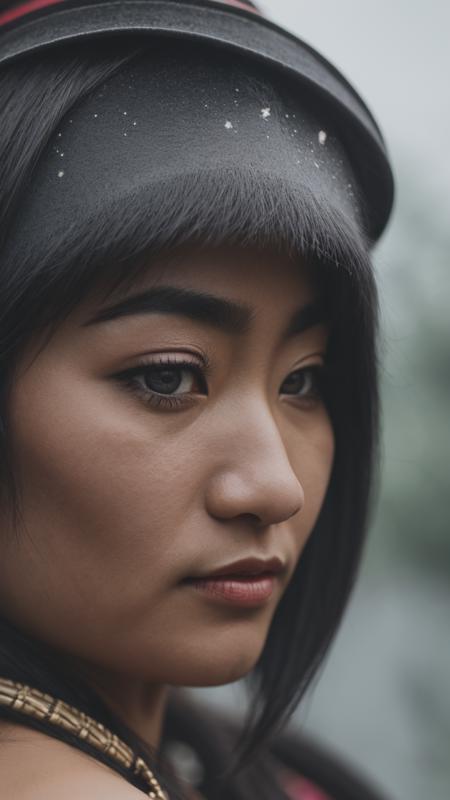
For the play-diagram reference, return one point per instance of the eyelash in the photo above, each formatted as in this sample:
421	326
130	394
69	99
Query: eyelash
129	379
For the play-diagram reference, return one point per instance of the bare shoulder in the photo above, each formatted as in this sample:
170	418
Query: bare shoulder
34	766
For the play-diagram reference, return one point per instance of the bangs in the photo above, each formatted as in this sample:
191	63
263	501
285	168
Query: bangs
115	246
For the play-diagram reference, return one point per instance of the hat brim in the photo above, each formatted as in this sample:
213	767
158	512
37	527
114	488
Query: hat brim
232	28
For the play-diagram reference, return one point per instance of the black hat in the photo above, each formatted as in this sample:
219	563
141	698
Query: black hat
230	26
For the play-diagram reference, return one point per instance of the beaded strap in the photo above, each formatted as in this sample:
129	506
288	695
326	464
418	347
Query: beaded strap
33	703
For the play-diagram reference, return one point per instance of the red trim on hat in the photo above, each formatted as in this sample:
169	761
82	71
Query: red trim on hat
25	8
35	5
239	4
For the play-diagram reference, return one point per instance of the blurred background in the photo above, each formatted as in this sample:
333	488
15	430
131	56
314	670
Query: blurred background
382	702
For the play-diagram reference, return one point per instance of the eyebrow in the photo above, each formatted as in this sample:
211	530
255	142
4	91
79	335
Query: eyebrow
228	316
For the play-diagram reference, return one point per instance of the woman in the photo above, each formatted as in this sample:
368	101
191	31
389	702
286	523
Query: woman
188	202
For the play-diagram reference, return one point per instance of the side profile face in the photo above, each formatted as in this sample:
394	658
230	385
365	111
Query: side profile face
133	483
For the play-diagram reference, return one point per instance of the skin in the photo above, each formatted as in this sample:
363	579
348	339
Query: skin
121	501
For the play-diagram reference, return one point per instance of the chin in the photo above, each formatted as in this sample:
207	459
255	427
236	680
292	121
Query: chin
217	662
217	675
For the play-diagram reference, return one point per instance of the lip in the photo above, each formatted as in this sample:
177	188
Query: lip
246	567
246	592
247	583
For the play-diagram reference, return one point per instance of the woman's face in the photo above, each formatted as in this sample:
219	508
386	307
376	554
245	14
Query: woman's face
133	483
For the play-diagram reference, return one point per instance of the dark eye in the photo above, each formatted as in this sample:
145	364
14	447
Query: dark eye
167	382
168	379
304	383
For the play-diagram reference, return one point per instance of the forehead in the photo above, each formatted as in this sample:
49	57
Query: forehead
256	277
239	292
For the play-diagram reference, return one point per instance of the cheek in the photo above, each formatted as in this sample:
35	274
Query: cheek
102	487
313	463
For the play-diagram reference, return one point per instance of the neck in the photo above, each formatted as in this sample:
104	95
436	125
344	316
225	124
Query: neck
139	704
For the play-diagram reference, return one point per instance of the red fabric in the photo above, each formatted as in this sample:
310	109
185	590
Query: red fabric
300	789
25	8
239	4
35	5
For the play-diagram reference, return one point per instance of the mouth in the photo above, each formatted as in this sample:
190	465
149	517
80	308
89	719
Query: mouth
247	583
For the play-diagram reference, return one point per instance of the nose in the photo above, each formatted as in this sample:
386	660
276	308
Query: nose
254	476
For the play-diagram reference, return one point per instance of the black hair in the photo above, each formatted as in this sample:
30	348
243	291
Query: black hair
229	206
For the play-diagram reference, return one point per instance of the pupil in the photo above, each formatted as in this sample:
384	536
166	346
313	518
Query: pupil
295	381
163	379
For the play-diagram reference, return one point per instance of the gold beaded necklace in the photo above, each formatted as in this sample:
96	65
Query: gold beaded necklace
34	703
